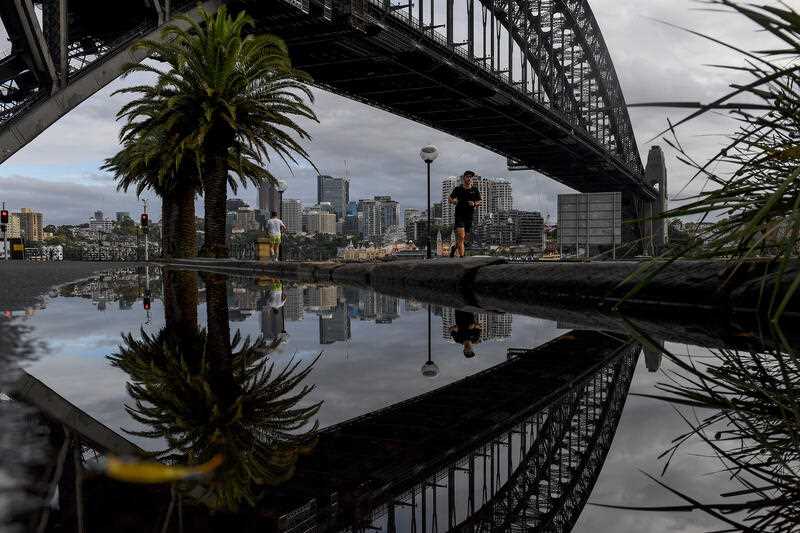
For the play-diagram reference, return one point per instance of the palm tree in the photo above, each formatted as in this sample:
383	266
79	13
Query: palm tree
207	396
141	164
225	101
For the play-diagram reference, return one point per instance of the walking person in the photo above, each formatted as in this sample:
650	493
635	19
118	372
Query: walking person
466	198
275	228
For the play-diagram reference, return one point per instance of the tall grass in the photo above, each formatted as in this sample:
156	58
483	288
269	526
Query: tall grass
753	208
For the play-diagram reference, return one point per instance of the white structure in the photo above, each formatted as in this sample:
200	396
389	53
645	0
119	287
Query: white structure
448	210
501	197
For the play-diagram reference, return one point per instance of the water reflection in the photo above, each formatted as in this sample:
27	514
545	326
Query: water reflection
207	394
749	417
514	437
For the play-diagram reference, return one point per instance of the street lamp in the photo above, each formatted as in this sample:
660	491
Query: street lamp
429	154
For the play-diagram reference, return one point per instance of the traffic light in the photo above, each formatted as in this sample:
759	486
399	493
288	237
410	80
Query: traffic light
4	216
144	220
146	300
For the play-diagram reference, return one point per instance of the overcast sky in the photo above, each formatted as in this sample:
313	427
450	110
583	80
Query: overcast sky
58	173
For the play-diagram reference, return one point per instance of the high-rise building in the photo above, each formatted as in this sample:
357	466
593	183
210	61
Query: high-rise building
373	217
320	222
98	224
31	224
501	197
390	211
336	191
98	215
448	210
589	223
269	198
122	215
335	327
292	213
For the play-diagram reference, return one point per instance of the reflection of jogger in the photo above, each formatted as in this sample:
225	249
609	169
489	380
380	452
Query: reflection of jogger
276	296
466	198
467	331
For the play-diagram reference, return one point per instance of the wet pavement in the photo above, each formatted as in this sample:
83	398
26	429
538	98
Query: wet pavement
252	403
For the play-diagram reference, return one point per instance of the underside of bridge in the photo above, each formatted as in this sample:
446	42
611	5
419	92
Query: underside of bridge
531	80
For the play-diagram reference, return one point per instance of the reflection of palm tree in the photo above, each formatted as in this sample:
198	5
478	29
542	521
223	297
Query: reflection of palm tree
206	396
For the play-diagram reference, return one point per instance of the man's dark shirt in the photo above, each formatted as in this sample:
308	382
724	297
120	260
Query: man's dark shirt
462	330
464	196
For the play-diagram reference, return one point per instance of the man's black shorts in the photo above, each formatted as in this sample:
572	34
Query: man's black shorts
464	222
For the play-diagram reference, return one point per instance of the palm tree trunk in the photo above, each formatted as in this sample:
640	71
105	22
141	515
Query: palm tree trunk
216	195
185	234
168	210
218	343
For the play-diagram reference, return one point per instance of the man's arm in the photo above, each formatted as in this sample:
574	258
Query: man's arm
476	203
452	199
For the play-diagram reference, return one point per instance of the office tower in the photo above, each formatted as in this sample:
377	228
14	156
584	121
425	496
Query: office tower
336	191
14	227
98	215
336	327
292	215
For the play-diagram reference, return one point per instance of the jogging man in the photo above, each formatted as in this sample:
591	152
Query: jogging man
274	228
466	198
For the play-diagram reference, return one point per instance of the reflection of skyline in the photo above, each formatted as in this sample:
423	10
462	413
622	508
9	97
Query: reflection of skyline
336	308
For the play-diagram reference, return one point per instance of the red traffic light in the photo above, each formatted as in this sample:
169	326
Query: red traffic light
144	220
4	216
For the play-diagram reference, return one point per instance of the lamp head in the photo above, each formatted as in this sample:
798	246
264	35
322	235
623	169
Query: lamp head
429	153
430	370
281	185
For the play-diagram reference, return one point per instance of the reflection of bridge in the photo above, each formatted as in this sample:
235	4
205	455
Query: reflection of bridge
527	454
517	446
529	79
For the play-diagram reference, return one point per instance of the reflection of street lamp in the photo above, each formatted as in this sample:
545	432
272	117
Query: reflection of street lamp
429	154
429	369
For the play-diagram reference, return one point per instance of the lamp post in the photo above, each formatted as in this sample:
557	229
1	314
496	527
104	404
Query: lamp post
429	154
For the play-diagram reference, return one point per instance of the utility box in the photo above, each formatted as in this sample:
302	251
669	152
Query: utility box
590	224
